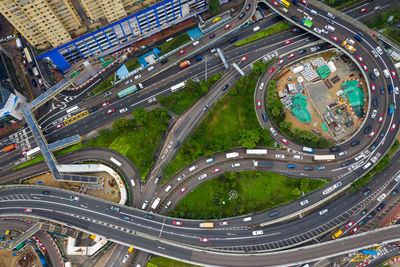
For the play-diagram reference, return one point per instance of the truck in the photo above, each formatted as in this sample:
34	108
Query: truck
35	71
155	203
184	64
306	23
285	3
207	225
348	47
337	234
9	148
265	164
127	91
391	109
232	155
19	43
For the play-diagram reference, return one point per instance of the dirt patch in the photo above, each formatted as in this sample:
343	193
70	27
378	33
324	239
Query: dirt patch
26	257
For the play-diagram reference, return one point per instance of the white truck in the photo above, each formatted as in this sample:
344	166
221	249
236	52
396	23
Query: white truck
19	43
35	71
232	155
155	203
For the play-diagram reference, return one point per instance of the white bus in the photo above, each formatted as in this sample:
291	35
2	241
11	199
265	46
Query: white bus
308	149
32	152
232	155
72	109
324	157
116	162
256	152
177	86
155	203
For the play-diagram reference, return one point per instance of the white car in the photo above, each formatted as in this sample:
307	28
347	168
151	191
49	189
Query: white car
128	81
324	31
342	153
386	73
258	232
373	115
261	86
304	202
75	198
274	133
376	71
122	110
381	197
396	90
379	49
125	259
317	30
138	77
279	156
322	212
374	53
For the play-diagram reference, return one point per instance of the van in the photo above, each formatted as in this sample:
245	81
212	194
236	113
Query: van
234	165
350	41
366	166
157	179
209	160
298	157
199	58
247	219
168	188
133	182
193	168
168	204
358	38
150	68
329	28
313	12
196	43
261	86
201	177
256	28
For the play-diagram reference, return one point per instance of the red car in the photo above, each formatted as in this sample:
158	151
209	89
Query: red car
177	222
244	59
28	210
393	127
372	134
304	2
291	55
393	74
182	51
354	230
105	104
110	111
334	38
258	104
364	66
271	70
295	29
362	10
281	61
360	58
40	81
227	26
59	126
350	224
380	118
182	190
329	46
275	3
285	141
24	62
373	88
216	170
287	42
223	223
204	239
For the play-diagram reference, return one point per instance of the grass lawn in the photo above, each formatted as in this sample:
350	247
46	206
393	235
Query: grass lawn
271	30
337	4
222	128
174	43
106	84
256	191
380	20
132	64
181	100
166	262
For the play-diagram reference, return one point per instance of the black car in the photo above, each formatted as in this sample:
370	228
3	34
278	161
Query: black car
346	163
295	2
165	60
372	76
30	71
212	35
34	83
302	51
149	216
367	129
381	207
374	145
375	102
382	134
232	40
308	168
371	215
330	21
294	18
241	15
355	143
382	90
335	149
225	87
364	211
395	192
319	47
91	110
248	7
45	193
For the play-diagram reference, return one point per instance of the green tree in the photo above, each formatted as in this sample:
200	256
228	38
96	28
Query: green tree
140	115
120	124
249	137
258	68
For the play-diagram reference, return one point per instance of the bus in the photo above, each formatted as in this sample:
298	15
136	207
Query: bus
127	91
369	252
256	152
116	162
285	3
177	86
337	234
28	55
155	203
207	225
232	155
72	109
10	147
308	149
32	152
307	23
324	157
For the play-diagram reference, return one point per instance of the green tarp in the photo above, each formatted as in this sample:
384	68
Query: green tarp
355	95
300	108
323	72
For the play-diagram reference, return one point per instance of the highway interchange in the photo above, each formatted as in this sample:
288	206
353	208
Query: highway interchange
240	235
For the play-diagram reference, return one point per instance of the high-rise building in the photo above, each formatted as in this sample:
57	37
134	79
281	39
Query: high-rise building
41	21
96	9
11	106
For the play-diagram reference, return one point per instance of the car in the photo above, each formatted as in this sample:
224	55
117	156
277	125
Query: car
137	77
244	59
304	2
373	115
74	198
125	259
242	15
45	193
371	215
317	30
380	119
257	232
354	230
302	51
24	62
364	211
373	88
321	168
28	210
114	208
393	127
59	126
366	192
225	87
122	110
281	61
362	10
325	31
216	170
355	143
129	81
287	42
105	104
181	177
110	111
372	133
291	55
360	58
343	153
382	90
279	156
258	104
107	94
271	70
395	192
34	84
183	189
322	212
275	3
177	223
182	51
334	38
211	35
396	89
164	61
204	239
350	224
248	7
284	141
295	29
224	223
227	26
205	107
30	72
393	74
376	71
149	216
336	148
364	66
304	202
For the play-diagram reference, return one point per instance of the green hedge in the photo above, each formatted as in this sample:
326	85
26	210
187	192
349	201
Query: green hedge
174	43
105	85
132	64
271	30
